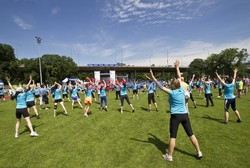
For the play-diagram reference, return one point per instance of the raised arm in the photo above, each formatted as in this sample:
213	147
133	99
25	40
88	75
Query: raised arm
177	67
192	78
104	83
29	81
59	86
218	76
158	84
235	73
8	81
89	80
33	85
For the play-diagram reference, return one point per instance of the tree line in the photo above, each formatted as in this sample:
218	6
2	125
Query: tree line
56	67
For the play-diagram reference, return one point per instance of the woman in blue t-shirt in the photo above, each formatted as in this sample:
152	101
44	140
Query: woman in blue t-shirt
103	96
56	88
124	95
74	95
21	109
30	100
208	93
179	113
229	96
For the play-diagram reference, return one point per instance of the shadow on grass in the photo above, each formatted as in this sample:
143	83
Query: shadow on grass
28	130
160	145
144	109
214	119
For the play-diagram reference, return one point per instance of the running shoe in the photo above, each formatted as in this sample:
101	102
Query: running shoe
34	134
37	117
199	155
133	110
167	157
239	121
16	135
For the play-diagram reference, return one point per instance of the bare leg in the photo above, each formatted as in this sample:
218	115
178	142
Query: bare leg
195	143
156	106
171	146
78	100
65	111
226	116
18	122
237	114
29	124
73	104
35	110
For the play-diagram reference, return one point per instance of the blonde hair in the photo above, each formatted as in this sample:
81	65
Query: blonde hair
175	84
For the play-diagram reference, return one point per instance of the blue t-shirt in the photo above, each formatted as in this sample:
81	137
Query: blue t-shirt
30	95
229	91
219	85
135	86
102	92
65	90
123	90
207	88
74	92
154	85
21	101
177	101
37	91
88	93
150	88
117	88
57	93
1	92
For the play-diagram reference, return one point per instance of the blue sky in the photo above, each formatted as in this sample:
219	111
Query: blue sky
138	32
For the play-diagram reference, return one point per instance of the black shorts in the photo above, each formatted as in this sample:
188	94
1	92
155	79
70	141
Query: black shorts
37	96
1	96
20	112
122	97
229	102
65	95
175	120
135	91
45	99
30	104
151	96
58	100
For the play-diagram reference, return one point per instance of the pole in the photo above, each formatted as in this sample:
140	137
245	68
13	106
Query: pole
167	58
39	40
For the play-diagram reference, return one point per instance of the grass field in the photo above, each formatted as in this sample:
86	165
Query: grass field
111	139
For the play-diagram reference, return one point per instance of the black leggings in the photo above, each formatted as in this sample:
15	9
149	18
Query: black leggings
117	94
191	97
122	97
151	96
209	98
175	120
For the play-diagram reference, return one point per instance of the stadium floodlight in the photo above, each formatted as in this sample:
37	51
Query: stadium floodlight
39	41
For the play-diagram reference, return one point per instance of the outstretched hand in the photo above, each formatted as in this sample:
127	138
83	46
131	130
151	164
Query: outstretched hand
7	78
177	63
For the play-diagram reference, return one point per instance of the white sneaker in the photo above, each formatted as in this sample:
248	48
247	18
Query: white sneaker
167	157
34	134
199	155
16	135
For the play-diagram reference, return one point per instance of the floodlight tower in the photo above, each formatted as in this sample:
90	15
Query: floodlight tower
39	41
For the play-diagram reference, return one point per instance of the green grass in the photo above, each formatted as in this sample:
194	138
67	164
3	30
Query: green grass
111	139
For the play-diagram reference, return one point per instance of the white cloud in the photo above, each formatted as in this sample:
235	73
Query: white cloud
23	25
157	12
152	51
55	10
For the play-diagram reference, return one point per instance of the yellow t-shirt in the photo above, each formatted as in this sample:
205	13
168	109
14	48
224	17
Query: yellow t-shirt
185	85
241	85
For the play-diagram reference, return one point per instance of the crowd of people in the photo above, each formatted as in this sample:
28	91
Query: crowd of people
179	92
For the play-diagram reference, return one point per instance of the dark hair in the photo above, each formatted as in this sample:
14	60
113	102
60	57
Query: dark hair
229	80
175	84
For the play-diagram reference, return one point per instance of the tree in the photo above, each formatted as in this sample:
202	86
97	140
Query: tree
56	67
226	60
8	62
197	67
